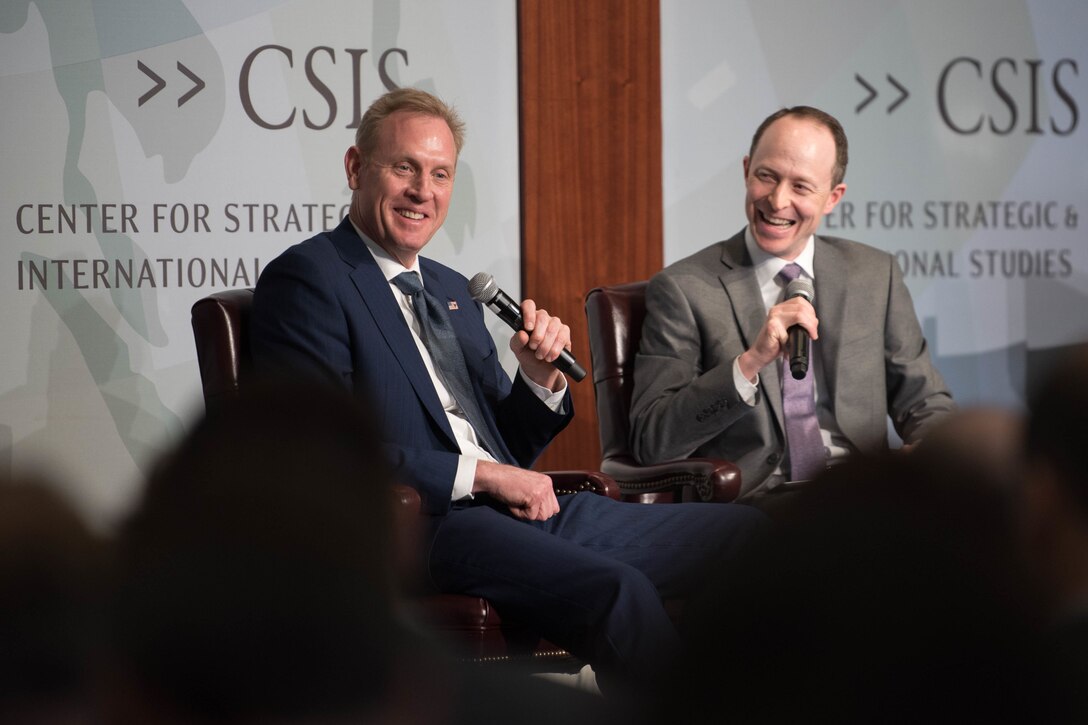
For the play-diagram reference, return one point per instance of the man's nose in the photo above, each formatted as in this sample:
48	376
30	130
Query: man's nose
779	196
422	186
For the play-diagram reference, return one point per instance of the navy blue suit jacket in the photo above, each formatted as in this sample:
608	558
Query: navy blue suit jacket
324	306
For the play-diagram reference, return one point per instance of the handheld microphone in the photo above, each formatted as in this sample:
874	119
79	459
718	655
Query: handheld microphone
483	289
799	342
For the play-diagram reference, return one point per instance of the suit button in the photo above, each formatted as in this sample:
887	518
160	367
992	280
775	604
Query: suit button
773	459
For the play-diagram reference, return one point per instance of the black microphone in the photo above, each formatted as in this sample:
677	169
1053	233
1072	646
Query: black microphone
799	341
483	289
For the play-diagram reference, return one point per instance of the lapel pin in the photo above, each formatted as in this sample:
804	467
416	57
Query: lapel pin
453	304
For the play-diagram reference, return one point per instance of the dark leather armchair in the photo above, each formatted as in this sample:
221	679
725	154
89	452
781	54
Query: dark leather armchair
615	317
470	624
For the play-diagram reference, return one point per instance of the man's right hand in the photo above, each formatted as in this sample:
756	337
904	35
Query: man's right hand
529	494
773	337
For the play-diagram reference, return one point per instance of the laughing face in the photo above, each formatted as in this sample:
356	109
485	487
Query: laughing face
402	193
788	185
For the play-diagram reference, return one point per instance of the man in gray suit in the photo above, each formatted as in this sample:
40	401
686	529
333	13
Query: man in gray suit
707	376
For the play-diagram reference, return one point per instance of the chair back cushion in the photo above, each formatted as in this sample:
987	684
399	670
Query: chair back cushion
221	332
615	316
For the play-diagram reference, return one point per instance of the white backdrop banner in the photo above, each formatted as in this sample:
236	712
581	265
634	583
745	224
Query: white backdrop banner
968	154
155	151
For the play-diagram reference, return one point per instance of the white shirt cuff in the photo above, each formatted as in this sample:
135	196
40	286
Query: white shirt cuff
554	400
463	479
466	465
745	388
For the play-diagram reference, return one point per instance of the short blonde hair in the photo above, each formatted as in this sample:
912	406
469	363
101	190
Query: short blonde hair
411	100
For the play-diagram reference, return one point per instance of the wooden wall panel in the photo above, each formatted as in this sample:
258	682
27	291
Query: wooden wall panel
591	206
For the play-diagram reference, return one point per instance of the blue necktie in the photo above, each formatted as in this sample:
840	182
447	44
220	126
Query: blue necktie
441	342
806	450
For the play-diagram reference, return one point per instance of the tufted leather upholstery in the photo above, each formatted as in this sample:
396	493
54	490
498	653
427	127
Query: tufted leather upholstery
615	316
471	625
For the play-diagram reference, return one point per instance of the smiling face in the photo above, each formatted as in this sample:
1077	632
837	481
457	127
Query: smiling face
401	193
788	182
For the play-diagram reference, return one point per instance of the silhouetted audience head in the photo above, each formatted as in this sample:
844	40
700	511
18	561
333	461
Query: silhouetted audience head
896	597
256	576
983	445
1056	484
1056	518
259	584
1058	425
53	583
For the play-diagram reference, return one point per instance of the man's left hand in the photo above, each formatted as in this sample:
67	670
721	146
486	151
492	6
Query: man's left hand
540	342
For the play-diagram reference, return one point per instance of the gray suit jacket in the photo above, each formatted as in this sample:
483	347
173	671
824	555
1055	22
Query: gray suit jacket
705	310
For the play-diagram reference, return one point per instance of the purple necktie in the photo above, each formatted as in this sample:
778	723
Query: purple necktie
803	442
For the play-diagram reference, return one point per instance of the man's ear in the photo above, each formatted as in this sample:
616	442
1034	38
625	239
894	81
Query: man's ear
834	197
353	165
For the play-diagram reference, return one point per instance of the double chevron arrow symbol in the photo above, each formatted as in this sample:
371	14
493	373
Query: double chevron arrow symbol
903	93
198	83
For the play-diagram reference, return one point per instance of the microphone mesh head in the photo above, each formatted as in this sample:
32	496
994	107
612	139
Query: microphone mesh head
482	287
801	287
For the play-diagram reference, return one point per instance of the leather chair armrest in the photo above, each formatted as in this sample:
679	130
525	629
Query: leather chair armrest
701	479
406	531
406	501
578	481
407	524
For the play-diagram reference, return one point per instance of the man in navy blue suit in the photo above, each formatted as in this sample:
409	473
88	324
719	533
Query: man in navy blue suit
589	572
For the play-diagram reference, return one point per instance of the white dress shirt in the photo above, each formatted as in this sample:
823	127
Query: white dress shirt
471	449
767	266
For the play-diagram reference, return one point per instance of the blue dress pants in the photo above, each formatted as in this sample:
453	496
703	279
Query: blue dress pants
591	578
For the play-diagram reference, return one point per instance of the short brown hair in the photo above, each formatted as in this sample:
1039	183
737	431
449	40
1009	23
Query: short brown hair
838	172
411	100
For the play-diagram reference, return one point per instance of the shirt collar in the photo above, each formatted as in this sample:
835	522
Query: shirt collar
389	266
767	266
